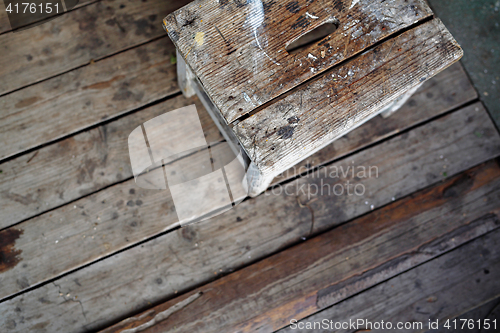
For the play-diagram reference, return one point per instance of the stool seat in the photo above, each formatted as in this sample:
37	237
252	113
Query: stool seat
282	106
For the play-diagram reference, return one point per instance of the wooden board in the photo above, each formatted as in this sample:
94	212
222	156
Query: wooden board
86	96
306	120
447	91
438	290
243	63
79	165
178	261
89	33
291	284
5	25
4	19
24	194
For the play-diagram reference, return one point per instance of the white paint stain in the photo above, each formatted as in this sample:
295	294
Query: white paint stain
310	56
247	98
199	38
311	16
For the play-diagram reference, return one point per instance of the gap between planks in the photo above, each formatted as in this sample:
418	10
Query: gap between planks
443	288
128	88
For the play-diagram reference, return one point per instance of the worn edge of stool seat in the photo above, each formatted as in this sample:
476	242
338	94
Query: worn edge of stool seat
325	108
237	49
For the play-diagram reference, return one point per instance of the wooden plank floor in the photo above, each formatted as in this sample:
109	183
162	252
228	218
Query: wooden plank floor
83	249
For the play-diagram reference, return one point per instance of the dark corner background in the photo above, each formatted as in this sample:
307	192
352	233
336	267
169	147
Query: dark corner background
476	26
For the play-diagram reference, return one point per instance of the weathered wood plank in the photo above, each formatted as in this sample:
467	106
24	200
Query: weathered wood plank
5	25
310	118
438	290
267	295
89	33
79	165
4	20
177	261
445	92
24	194
242	61
94	93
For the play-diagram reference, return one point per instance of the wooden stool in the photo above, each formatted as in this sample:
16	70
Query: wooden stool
282	106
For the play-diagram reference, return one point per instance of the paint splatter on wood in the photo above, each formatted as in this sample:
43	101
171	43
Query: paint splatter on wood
9	255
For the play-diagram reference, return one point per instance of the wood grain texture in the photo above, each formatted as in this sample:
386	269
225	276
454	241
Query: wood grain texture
306	120
242	62
5	25
77	166
4	19
448	90
267	295
441	289
89	33
24	194
127	282
86	96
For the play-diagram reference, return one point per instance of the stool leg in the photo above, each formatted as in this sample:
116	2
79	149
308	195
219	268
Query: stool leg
390	109
256	181
185	77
